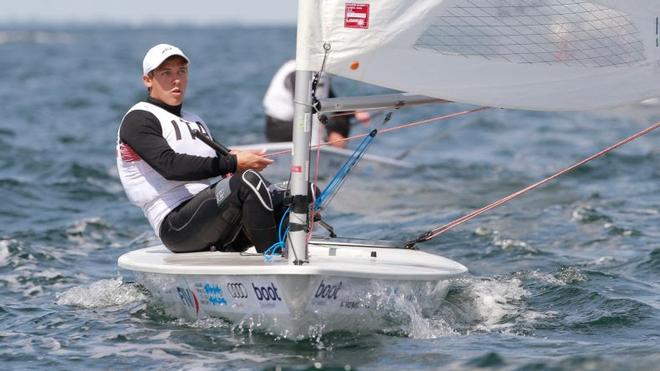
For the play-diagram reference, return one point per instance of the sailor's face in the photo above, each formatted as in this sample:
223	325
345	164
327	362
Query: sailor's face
168	82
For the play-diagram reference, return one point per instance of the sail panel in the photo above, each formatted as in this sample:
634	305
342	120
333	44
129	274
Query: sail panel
558	32
524	54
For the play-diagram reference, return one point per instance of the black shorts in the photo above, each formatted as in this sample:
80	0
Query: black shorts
278	130
200	224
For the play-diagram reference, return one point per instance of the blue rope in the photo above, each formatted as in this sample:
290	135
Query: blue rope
324	198
278	246
330	190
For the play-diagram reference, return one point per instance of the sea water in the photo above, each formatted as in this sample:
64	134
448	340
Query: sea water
566	277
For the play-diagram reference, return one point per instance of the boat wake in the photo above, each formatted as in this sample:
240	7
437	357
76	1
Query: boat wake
479	305
102	294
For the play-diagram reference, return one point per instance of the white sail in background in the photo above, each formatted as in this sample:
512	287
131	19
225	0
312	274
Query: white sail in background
523	54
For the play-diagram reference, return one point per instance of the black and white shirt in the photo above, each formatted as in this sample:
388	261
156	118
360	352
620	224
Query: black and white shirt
160	163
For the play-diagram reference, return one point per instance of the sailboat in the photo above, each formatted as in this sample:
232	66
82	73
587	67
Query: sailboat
551	55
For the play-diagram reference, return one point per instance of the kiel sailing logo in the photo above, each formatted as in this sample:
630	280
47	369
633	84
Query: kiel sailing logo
188	298
210	293
237	290
214	294
327	291
266	293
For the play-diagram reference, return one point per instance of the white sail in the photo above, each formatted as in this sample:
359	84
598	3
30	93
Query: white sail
524	54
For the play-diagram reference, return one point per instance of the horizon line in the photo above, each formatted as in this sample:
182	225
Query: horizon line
135	24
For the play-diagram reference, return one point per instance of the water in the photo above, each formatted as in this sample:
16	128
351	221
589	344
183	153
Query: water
566	277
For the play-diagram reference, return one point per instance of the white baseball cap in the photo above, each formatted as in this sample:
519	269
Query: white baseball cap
158	54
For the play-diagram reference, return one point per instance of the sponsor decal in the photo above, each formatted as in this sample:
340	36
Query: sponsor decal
214	300
188	298
327	291
237	290
350	304
356	15
211	293
266	293
296	169
392	291
212	289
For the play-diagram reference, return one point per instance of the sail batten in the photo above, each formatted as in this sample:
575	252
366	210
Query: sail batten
524	54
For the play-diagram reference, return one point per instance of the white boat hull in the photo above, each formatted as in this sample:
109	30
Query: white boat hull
345	288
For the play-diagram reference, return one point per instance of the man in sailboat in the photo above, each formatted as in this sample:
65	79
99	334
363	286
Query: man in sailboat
278	108
167	171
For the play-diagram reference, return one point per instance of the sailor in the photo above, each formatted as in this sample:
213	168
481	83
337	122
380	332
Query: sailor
167	171
278	108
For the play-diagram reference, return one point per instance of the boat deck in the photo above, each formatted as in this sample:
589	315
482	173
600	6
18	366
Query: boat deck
325	259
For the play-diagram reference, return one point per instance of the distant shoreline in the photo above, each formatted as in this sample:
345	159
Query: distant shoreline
33	25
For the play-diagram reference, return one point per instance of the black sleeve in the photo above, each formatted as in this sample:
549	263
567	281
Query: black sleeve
340	122
142	132
331	93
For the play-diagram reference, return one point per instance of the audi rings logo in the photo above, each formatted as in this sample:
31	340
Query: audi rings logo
237	290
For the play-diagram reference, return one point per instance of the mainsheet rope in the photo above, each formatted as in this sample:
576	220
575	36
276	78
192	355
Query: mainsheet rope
279	245
387	130
444	228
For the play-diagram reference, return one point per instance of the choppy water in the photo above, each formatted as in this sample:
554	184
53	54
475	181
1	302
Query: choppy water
567	277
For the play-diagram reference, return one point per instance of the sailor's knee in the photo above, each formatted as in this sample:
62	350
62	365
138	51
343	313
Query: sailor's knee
254	186
254	178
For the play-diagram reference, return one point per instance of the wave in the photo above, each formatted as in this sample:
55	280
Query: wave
25	271
652	262
579	309
604	361
102	294
34	262
526	302
587	214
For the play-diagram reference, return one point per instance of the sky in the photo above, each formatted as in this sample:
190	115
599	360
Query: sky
137	12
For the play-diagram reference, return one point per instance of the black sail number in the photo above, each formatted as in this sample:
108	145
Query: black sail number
189	125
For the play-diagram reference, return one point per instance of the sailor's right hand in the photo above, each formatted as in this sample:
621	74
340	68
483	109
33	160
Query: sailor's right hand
336	140
363	117
251	159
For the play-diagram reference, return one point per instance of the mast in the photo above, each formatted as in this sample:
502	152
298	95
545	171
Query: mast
302	122
296	242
